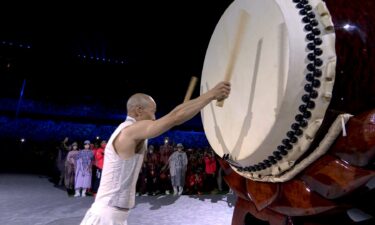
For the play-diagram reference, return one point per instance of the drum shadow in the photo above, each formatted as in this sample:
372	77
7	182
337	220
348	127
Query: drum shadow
230	199
248	118
282	62
156	202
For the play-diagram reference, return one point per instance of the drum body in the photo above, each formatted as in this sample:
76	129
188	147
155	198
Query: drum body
301	64
289	69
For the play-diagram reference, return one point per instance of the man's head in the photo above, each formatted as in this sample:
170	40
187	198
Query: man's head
86	144
141	107
180	147
103	144
74	146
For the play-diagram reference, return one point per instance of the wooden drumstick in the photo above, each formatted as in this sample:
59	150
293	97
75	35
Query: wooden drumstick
189	92
244	18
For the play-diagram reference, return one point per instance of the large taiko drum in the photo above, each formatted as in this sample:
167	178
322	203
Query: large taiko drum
299	68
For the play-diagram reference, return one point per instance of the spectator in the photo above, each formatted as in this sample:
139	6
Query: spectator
99	160
83	170
210	169
178	165
70	165
63	150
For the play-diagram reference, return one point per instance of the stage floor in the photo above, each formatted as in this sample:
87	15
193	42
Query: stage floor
33	200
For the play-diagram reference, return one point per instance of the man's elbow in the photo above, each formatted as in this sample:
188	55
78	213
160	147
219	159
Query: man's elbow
177	118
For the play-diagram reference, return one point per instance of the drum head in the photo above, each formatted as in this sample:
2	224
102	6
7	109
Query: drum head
282	80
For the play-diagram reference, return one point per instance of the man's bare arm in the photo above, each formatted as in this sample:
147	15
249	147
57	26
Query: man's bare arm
149	129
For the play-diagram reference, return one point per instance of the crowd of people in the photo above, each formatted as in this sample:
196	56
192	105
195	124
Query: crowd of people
80	169
167	169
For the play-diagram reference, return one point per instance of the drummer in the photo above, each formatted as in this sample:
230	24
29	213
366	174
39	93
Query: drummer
125	149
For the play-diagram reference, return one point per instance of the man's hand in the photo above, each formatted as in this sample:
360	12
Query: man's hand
221	91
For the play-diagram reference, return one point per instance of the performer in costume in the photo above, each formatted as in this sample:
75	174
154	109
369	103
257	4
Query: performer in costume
125	151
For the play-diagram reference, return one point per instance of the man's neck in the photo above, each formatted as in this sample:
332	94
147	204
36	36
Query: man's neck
131	118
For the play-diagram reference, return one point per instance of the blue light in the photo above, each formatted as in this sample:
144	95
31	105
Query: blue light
97	58
84	56
347	26
92	57
122	62
20	98
28	46
103	59
23	88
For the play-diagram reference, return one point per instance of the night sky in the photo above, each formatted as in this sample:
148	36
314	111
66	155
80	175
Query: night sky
103	53
68	69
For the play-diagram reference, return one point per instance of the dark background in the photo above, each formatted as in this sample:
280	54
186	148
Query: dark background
106	52
68	69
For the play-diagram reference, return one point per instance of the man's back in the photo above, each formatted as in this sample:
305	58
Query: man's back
119	177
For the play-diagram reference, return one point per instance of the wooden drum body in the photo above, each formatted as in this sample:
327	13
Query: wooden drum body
296	137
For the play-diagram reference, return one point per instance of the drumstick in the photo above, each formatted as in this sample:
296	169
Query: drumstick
189	92
244	17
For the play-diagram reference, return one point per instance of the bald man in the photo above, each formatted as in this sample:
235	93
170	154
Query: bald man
125	151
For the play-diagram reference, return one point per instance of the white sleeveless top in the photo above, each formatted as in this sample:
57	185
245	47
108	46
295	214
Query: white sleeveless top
119	176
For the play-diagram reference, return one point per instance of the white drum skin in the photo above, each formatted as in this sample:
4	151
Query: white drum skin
268	83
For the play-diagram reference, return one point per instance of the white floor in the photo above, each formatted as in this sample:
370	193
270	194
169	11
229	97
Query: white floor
33	200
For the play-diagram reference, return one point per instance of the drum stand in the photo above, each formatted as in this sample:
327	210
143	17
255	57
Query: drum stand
338	188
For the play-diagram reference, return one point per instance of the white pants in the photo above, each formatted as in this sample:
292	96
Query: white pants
105	216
